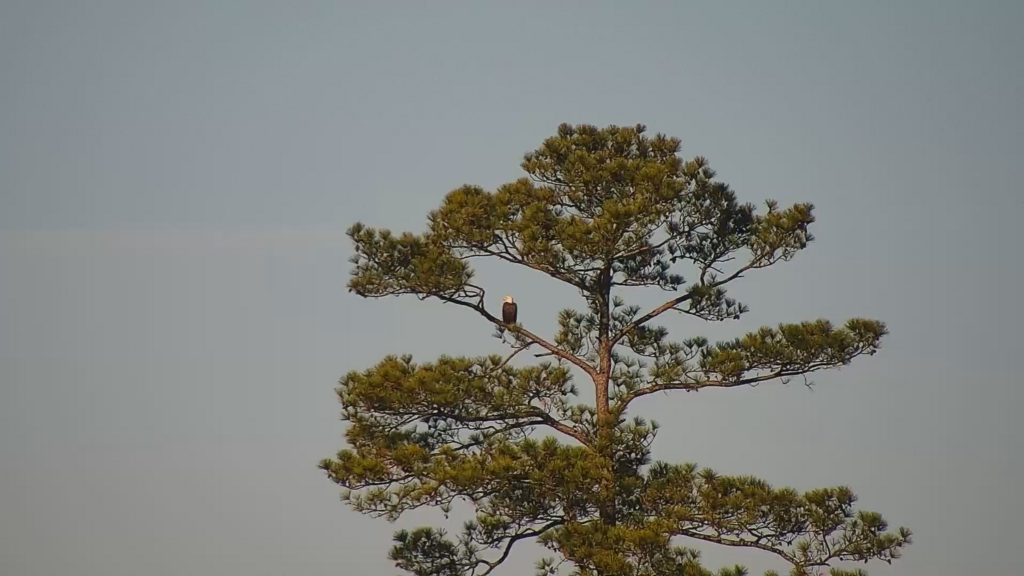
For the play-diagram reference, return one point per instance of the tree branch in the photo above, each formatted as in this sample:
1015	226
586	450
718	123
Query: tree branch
512	541
517	421
740	544
675	302
508	256
530	335
512	355
751	380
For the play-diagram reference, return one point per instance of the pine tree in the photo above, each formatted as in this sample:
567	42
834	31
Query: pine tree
603	210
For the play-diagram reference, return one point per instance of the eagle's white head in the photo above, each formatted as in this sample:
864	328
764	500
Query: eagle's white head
508	300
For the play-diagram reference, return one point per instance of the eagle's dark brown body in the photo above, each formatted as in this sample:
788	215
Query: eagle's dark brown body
509	312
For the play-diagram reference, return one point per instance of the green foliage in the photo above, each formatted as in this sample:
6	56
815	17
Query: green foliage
603	210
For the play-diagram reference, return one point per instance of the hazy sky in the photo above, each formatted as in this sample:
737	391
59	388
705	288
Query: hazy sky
176	179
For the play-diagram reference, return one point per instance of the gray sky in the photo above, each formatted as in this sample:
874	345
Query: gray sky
176	179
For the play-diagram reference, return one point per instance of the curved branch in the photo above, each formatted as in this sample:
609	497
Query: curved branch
512	355
751	380
675	302
508	256
517	421
491	565
740	544
551	422
579	363
693	386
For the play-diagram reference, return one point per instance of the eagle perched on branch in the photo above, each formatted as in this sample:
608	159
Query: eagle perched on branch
509	311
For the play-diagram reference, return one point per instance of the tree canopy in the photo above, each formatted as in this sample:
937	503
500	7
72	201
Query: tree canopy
604	210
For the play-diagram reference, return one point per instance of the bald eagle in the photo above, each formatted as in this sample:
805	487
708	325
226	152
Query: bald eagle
509	311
